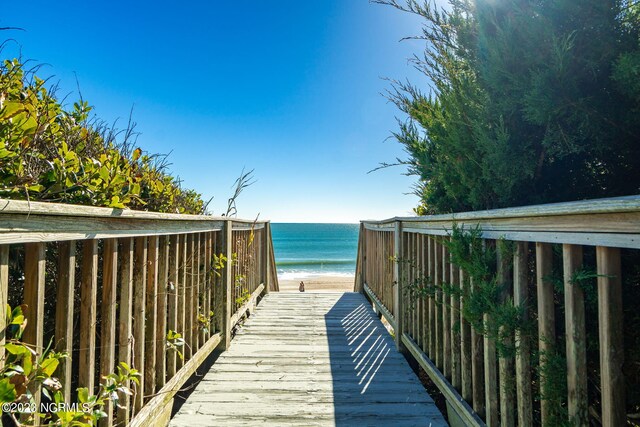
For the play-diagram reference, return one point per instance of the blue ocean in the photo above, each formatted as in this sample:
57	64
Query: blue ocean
304	250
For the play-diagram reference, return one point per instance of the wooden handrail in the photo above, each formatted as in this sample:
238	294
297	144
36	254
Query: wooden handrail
403	253
594	206
152	272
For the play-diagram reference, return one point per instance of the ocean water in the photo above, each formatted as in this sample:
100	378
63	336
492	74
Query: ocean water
304	250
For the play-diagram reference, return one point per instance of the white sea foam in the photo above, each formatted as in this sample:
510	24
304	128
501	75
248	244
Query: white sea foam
301	275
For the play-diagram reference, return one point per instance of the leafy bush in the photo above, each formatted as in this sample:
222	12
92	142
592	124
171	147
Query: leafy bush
50	154
529	102
24	372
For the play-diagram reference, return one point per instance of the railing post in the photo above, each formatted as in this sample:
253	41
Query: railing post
4	297
397	289
34	286
610	325
88	309
64	311
576	338
266	262
360	260
223	297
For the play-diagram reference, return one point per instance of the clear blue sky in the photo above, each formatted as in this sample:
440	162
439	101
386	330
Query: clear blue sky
291	89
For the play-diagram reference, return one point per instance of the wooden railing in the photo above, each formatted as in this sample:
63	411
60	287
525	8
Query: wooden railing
479	383
107	286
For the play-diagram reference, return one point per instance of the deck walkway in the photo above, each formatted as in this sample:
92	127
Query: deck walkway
312	359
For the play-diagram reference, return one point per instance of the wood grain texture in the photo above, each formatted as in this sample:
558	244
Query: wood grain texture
139	307
172	300
610	308
161	330
189	309
34	277
438	305
431	268
64	312
151	317
492	403
336	366
456	329
576	339
446	316
379	306
523	355
596	206
506	361
154	413
182	292
108	319
461	407
125	314
477	368
223	297
546	314
88	314
398	298
465	344
4	297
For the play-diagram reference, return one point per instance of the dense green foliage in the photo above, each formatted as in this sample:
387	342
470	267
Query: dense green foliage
23	370
531	102
50	154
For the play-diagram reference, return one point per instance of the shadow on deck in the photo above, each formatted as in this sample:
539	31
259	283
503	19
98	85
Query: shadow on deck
310	359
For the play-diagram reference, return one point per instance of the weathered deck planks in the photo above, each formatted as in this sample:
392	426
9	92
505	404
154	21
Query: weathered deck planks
314	360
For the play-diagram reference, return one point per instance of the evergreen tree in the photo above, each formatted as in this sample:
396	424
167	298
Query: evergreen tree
531	102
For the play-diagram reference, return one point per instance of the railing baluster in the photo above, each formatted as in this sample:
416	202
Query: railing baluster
506	361
139	308
412	299
151	318
34	276
64	312
490	378
477	366
455	327
523	358
182	296
424	243
4	297
421	299
154	273
465	344
266	262
172	299
223	296
195	295
432	299
207	284
88	314
546	316
438	305
611	336
576	341
188	299
108	318
446	316
399	309
161	331
125	337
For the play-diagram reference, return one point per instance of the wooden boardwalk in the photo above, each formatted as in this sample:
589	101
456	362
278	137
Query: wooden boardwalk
310	359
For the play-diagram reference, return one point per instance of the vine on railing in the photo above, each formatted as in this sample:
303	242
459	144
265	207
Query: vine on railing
494	316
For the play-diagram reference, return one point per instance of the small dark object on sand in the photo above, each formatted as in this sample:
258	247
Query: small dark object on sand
301	288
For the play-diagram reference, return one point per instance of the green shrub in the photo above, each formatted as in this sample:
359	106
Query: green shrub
50	154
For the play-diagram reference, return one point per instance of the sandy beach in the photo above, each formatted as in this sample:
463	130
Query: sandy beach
318	284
